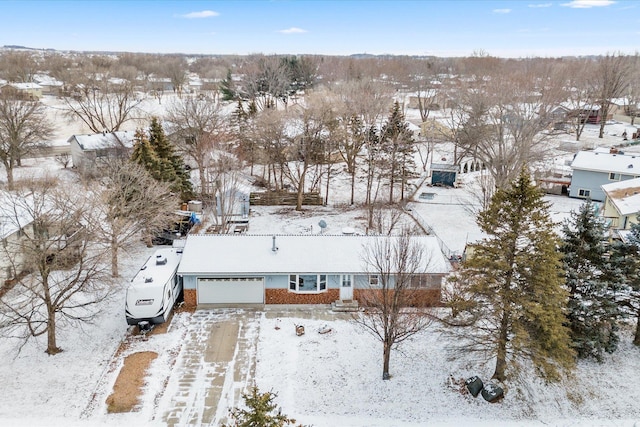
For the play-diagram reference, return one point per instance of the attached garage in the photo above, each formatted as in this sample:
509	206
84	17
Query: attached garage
231	290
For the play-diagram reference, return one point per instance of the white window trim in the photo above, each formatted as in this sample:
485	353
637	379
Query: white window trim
614	176
319	283
343	281
584	190
374	280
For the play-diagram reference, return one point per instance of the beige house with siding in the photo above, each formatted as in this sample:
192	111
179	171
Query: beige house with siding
622	203
13	226
29	91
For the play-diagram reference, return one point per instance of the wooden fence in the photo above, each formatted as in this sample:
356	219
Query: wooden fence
277	198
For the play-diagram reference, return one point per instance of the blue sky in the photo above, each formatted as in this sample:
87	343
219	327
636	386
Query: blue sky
441	28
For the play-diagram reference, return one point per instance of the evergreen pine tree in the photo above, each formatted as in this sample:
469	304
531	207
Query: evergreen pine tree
143	153
399	147
625	258
592	282
511	286
228	88
170	167
260	411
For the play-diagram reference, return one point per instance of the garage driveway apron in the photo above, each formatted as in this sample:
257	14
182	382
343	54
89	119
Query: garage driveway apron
217	362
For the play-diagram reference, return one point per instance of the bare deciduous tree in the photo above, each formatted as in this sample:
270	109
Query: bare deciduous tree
505	118
102	104
576	77
399	263
23	128
17	66
198	127
610	81
131	205
266	81
308	147
69	275
269	133
224	174
359	105
175	68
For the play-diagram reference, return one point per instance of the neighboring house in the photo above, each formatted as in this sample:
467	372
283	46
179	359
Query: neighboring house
160	84
28	91
592	114
622	203
50	86
87	151
291	269
559	116
194	85
12	229
593	169
431	98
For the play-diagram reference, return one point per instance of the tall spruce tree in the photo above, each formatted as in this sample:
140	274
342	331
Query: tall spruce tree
510	289
228	88
261	411
170	167
143	154
592	282
399	146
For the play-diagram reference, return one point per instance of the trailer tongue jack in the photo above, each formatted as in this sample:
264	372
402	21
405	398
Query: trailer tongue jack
145	327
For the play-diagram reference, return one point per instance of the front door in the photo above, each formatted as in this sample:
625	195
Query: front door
346	287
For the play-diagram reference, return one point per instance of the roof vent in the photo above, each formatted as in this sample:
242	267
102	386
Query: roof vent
161	259
148	279
274	248
630	166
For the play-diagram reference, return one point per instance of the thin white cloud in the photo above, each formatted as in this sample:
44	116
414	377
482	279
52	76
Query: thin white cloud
502	11
292	30
586	4
201	14
541	5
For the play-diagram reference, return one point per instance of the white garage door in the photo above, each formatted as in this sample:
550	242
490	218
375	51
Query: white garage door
233	290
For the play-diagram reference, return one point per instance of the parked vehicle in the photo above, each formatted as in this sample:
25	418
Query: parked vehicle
155	289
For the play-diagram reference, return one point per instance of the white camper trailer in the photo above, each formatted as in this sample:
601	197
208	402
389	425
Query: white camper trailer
155	289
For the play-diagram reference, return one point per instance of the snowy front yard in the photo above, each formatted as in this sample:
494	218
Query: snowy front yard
331	379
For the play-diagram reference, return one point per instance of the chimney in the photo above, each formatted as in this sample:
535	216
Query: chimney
274	248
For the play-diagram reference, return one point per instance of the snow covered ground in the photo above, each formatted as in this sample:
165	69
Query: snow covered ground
322	380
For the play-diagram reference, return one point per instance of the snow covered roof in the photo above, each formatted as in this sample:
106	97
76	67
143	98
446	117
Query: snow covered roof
25	86
104	140
624	195
606	162
12	220
46	80
243	254
158	268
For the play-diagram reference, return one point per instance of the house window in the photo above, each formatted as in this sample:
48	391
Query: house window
346	280
584	193
374	280
614	176
423	281
307	282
